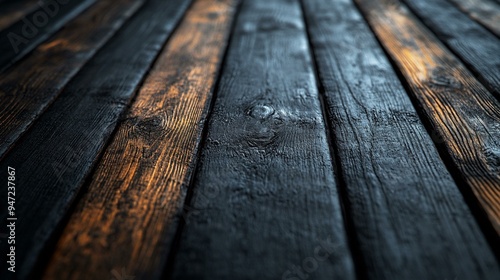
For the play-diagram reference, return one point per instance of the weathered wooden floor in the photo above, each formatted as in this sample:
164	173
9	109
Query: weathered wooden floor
250	139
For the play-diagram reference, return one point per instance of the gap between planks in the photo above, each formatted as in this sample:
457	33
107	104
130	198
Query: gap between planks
137	193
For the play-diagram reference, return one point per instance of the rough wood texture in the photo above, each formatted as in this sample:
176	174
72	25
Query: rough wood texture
406	209
131	211
13	10
464	113
477	47
56	154
27	89
486	12
23	36
265	198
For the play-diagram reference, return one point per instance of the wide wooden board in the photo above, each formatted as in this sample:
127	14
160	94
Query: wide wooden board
265	202
457	105
130	213
406	209
55	156
28	89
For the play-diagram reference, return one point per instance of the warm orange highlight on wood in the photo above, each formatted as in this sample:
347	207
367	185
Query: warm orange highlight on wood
130	212
463	112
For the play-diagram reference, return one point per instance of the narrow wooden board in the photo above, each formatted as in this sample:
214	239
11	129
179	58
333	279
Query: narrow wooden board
130	213
486	12
463	112
23	36
27	89
55	156
477	47
13	10
265	198
406	209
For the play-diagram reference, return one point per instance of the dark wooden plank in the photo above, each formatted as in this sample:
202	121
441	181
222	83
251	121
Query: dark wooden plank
27	89
137	193
13	10
265	198
37	26
406	209
486	12
461	109
57	153
477	47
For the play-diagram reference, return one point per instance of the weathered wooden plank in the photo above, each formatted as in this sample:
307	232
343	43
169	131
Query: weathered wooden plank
406	209
54	157
463	112
477	47
23	36
13	10
265	198
27	89
137	193
486	12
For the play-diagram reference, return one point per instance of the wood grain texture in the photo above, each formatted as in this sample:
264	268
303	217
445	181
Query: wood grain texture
23	36
265	198
55	156
477	47
464	113
486	12
406	209
13	10
129	216
27	89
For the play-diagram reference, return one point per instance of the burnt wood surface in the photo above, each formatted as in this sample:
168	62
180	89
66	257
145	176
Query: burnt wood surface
134	202
265	199
35	27
477	47
459	107
34	83
252	139
406	209
69	136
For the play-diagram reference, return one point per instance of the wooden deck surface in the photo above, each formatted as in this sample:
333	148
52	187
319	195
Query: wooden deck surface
250	139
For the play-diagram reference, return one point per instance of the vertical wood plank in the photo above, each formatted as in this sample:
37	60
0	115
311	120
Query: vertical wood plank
463	112
406	209
55	156
129	215
265	202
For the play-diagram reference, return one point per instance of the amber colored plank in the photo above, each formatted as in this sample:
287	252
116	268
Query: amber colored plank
478	48
486	12
399	192
130	213
462	111
14	10
27	89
